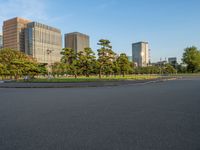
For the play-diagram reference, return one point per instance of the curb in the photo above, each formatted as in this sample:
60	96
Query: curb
82	85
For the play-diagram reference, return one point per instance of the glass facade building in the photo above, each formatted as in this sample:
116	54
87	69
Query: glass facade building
41	39
77	41
13	33
140	54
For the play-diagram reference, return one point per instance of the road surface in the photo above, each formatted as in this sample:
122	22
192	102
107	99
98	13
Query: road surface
156	116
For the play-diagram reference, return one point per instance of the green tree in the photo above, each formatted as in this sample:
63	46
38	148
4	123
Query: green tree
17	63
106	57
86	61
3	71
116	68
191	57
131	71
74	68
42	69
59	68
169	69
147	70
68	55
69	58
124	64
182	68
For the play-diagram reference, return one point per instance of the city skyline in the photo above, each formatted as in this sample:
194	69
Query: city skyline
42	42
165	25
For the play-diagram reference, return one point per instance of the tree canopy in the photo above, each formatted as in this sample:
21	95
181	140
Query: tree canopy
191	57
106	57
86	61
124	64
17	64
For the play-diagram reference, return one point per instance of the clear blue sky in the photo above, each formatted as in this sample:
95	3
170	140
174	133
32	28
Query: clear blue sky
168	25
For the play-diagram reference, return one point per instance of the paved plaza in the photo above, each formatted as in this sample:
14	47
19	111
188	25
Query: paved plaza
155	116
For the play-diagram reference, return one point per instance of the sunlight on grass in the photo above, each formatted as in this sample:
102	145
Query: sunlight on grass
94	78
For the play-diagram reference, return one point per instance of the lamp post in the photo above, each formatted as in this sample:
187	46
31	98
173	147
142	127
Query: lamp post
49	64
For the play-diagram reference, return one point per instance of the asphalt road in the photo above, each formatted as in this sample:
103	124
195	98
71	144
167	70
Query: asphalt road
156	116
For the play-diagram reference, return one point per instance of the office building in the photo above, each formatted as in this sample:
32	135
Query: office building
140	54
77	41
13	33
43	42
173	61
1	40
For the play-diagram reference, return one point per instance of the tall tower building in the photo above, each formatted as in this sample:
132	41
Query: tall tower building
13	33
1	40
140	54
77	41
43	42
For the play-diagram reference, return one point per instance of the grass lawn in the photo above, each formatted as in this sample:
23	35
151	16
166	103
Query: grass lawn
93	78
188	75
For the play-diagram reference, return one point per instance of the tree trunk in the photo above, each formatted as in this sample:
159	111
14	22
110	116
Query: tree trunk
16	77
99	75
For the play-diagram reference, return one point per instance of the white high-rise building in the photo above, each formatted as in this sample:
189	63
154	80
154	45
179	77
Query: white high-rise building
140	54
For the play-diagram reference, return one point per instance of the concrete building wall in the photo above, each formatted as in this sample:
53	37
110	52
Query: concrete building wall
77	41
42	39
71	41
140	53
13	33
